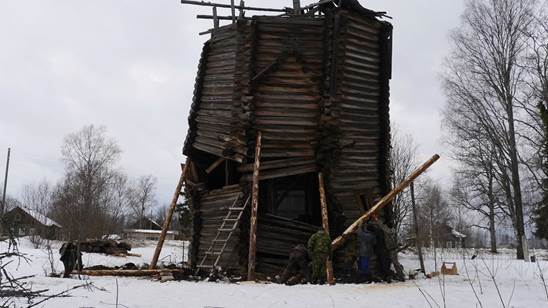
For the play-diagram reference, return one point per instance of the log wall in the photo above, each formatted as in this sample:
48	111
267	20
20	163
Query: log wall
276	236
212	209
285	87
216	121
297	80
360	108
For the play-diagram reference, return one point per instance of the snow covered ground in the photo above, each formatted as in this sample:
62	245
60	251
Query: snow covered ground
519	285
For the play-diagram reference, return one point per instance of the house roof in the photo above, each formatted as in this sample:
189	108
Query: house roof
145	220
147	231
457	233
154	222
41	218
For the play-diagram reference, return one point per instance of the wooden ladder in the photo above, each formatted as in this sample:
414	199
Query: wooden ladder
231	221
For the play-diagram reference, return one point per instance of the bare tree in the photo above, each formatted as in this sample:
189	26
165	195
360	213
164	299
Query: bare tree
484	85
537	65
476	191
11	203
402	163
434	213
142	196
38	197
81	200
475	187
118	203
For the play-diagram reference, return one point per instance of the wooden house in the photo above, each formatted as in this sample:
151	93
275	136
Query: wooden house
449	237
145	223
23	221
314	82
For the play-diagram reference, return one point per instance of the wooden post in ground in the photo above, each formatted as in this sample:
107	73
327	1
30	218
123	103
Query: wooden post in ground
416	222
169	217
254	211
384	201
325	225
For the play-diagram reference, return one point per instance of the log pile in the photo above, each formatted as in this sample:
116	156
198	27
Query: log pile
109	247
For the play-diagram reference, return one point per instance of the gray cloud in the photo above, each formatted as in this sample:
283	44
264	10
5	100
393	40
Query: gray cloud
130	65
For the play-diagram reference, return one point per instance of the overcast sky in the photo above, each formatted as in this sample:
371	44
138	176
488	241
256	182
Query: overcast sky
131	65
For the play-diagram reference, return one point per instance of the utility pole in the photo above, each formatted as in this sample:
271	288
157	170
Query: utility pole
4	192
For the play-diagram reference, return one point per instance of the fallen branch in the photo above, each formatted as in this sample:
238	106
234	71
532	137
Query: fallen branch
60	294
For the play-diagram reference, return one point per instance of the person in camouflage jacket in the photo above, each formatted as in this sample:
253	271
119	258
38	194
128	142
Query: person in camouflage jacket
319	248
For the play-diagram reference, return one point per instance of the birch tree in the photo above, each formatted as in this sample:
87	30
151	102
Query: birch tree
484	80
142	197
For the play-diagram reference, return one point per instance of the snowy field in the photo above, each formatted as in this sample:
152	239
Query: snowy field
518	283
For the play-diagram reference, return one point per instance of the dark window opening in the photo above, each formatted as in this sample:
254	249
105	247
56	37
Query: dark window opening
293	197
214	172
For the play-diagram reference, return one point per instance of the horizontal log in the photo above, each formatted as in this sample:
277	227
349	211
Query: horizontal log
275	164
129	273
238	7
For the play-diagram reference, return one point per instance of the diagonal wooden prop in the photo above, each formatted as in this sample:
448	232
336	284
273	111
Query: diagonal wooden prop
171	210
384	201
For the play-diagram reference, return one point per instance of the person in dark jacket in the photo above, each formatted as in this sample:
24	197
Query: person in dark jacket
297	265
366	242
381	252
392	248
71	258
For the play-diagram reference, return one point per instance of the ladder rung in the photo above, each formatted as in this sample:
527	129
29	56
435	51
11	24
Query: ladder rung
221	241
231	219
237	208
205	266
227	230
212	253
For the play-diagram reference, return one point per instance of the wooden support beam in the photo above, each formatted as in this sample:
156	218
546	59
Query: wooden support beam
416	223
169	217
227	173
205	32
254	211
233	11
194	176
215	164
384	201
296	7
325	225
212	17
215	19
228	6
241	14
